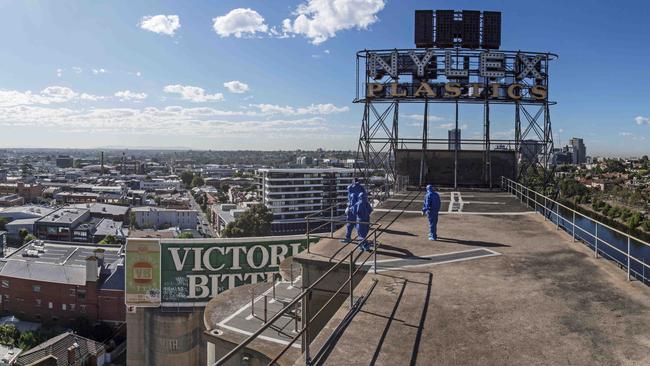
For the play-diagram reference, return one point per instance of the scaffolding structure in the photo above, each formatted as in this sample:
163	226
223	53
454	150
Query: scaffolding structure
458	76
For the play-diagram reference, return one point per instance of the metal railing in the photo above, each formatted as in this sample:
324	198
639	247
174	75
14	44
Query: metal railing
306	318
635	265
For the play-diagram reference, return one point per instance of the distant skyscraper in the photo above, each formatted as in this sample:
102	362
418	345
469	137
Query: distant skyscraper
454	139
579	153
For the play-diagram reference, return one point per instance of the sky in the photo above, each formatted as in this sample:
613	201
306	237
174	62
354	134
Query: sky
280	75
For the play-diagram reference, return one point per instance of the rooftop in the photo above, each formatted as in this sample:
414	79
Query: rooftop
103	208
57	348
58	262
501	286
306	170
29	209
64	215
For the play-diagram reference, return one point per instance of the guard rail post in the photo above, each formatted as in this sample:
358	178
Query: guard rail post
628	258
308	242
350	278
573	227
596	242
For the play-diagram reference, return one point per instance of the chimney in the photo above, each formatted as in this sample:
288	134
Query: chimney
72	354
102	173
91	269
99	254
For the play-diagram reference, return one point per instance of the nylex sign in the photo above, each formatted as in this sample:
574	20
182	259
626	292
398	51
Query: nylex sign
193	271
469	74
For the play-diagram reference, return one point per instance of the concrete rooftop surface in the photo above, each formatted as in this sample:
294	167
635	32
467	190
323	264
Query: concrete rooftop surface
501	286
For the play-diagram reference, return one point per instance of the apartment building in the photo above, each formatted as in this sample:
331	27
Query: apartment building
293	194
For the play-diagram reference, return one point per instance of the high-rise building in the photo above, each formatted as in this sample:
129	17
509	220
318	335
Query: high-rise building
293	194
579	153
454	139
63	161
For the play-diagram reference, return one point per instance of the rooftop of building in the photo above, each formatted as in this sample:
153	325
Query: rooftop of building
109	227
306	170
103	208
8	354
56	348
30	209
155	208
54	262
64	215
501	285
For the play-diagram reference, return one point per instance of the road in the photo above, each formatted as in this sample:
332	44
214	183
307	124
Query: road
204	224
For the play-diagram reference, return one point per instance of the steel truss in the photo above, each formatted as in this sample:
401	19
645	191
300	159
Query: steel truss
379	136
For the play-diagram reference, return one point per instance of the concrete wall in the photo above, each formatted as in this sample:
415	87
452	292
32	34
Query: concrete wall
439	167
324	290
157	337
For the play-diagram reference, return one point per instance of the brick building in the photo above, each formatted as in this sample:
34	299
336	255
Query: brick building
58	282
30	192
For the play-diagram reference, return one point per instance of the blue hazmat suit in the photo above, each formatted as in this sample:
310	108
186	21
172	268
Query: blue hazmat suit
354	190
362	210
431	207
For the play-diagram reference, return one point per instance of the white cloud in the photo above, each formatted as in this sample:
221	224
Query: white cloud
239	23
632	136
77	69
127	95
421	117
192	93
320	20
640	120
236	86
49	95
321	109
170	121
99	71
59	73
165	24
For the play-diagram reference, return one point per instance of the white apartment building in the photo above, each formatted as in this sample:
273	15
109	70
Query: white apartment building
293	194
156	218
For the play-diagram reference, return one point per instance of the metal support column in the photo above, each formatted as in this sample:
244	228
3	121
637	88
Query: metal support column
425	137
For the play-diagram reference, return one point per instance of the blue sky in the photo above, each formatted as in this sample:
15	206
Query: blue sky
280	74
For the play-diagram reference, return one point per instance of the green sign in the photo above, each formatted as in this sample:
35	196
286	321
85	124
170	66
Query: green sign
192	271
142	277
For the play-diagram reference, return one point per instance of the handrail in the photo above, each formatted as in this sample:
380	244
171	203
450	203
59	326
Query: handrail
522	190
374	228
298	298
579	213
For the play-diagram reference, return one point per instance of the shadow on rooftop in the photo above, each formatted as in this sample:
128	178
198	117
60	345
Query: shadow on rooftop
473	243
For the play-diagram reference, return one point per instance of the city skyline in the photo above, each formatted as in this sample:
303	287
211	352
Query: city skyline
248	75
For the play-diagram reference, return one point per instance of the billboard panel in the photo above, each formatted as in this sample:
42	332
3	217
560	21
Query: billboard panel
192	271
142	272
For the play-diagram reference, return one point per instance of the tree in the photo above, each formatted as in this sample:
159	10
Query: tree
197	181
28	238
187	177
186	235
3	223
23	234
634	220
108	239
254	222
8	334
30	339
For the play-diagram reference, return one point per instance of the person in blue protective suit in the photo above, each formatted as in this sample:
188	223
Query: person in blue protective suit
354	190
431	208
362	210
